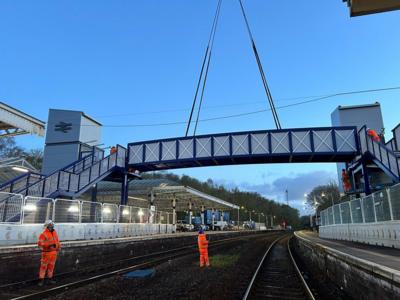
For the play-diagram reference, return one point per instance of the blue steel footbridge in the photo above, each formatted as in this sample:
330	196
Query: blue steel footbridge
325	144
298	145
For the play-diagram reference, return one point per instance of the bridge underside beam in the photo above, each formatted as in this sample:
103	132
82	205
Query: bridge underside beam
243	161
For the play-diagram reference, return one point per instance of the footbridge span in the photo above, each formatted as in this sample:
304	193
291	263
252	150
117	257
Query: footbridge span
324	144
299	145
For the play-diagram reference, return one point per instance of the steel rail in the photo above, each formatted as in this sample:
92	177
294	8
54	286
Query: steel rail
177	252
304	284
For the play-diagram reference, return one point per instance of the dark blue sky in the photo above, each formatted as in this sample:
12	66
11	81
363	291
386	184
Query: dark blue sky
137	62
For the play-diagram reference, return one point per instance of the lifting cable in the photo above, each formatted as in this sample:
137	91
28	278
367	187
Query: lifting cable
207	58
208	65
264	79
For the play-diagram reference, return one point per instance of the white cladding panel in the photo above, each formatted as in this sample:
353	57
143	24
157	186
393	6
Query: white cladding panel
221	146
259	143
185	148
58	156
203	147
63	126
168	150
136	154
301	141
240	144
152	152
323	141
280	142
90	131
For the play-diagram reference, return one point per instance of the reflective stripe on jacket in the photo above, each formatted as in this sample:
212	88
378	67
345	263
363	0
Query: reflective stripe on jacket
48	238
202	241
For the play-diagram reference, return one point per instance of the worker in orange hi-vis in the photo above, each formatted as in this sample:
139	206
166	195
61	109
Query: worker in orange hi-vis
372	133
50	245
113	150
346	181
203	248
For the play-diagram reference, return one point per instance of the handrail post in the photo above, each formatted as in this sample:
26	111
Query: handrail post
362	210
80	211
373	204
54	210
351	213
390	204
22	210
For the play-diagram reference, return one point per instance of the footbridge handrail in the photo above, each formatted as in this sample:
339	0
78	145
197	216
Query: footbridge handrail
382	155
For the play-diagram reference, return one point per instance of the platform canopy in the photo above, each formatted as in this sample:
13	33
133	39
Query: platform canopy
13	167
163	192
365	7
15	122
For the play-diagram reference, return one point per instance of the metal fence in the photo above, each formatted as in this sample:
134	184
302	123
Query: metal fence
14	208
11	207
380	206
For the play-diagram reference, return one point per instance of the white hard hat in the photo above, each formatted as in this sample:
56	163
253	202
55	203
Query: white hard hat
48	222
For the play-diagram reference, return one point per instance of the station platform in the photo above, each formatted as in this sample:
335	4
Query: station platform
383	256
352	266
381	262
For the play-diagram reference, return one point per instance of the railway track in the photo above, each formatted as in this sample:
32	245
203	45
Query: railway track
277	276
29	289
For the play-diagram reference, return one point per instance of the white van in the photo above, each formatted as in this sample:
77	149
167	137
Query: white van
220	225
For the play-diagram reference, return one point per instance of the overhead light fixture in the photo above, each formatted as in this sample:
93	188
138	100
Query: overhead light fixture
30	207
125	212
73	209
20	169
140	213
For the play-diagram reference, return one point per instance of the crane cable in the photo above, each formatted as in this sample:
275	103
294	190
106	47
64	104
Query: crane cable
208	65
207	56
263	78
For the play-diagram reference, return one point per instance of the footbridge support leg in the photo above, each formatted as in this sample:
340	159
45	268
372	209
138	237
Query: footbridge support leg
367	187
124	190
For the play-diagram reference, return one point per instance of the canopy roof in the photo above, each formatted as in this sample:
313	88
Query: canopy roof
13	167
163	192
15	122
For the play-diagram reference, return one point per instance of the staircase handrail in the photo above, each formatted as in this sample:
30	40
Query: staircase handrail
19	177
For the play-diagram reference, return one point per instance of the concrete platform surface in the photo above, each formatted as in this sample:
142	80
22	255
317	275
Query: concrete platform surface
383	256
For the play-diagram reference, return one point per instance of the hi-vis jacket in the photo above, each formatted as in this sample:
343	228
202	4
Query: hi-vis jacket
202	241
47	239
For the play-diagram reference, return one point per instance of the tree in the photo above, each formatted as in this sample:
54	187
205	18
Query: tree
9	148
323	196
35	158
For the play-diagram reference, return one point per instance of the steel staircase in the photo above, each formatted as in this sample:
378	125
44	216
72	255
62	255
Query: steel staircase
383	156
71	180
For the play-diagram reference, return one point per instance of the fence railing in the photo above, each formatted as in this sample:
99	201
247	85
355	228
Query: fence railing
36	210
380	206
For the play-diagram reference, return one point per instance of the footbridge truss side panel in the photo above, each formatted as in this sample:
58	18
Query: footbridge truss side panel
326	144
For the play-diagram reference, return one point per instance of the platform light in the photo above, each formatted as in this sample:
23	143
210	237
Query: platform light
106	210
20	169
73	209
140	213
125	212
30	207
